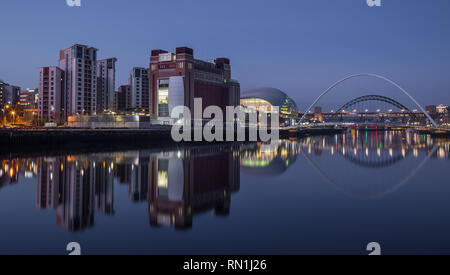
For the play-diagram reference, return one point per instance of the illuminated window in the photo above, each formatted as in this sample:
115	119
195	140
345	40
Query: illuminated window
163	178
257	103
165	57
163	98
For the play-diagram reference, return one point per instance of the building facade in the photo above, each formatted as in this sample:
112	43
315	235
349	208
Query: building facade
51	94
2	90
106	84
29	99
9	94
79	62
176	79
431	110
442	109
139	89
183	186
266	99
123	98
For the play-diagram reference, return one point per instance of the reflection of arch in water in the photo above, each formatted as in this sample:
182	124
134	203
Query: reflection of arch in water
376	195
375	162
368	75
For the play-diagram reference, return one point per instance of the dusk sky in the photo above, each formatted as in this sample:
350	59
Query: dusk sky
298	46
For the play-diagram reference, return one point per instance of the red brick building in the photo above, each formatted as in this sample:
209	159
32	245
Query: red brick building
176	79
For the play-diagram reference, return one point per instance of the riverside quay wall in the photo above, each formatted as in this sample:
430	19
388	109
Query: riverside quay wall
38	138
67	139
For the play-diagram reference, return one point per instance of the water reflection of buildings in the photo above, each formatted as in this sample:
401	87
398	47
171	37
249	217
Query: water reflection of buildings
185	184
78	187
175	184
376	146
269	160
75	188
133	171
11	169
179	184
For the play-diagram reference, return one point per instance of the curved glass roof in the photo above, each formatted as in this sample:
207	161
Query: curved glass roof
274	96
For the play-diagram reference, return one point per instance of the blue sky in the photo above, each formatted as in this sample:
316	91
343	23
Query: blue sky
298	46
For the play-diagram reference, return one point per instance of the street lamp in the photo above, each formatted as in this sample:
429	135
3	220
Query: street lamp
13	113
52	111
3	122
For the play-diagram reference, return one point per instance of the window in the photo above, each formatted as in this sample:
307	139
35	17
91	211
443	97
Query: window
79	52
163	178
163	98
165	57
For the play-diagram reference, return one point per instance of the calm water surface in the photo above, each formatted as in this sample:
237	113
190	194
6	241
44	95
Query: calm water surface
321	195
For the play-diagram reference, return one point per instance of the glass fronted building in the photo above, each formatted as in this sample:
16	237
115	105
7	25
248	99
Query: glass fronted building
266	99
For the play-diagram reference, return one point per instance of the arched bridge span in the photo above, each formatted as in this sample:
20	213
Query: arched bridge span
378	98
368	75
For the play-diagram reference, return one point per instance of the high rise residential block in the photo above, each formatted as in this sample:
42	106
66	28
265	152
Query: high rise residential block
51	94
9	94
2	92
139	83
106	82
123	98
79	62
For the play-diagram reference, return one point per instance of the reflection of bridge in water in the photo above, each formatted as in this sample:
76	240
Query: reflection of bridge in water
370	149
374	151
366	149
178	184
374	161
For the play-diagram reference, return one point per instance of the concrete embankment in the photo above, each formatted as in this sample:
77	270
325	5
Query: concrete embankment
65	139
41	139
